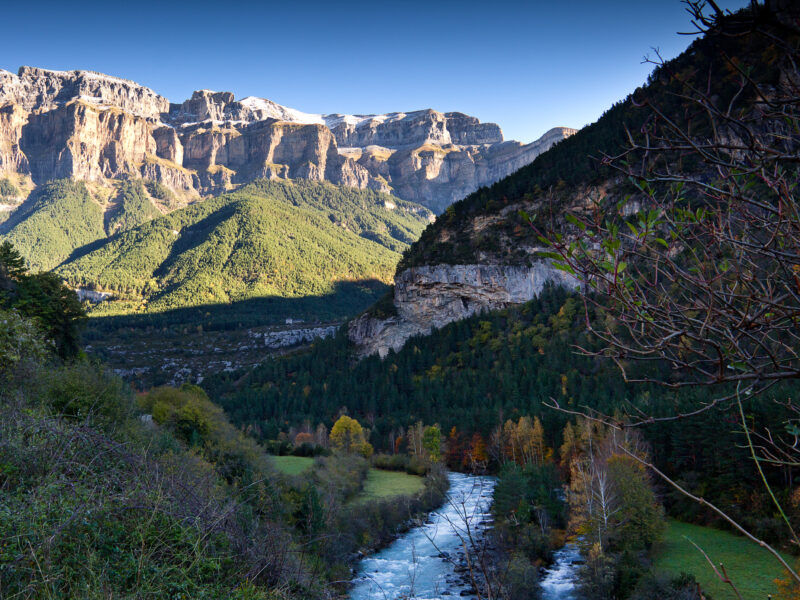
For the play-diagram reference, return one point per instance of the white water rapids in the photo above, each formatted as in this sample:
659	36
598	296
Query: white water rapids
423	563
560	580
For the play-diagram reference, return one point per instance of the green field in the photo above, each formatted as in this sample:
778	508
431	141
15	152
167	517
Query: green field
292	465
379	484
385	484
752	569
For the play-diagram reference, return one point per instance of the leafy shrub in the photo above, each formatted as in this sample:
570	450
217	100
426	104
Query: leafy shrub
161	192
307	449
343	476
22	345
199	423
416	466
665	587
521	579
87	393
390	462
8	189
384	308
413	465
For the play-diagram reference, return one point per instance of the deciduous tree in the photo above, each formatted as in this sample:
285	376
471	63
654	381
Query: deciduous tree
347	435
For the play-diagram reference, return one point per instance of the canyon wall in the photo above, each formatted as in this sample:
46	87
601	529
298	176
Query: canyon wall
85	125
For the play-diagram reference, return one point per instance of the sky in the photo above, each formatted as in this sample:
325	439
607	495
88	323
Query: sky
527	66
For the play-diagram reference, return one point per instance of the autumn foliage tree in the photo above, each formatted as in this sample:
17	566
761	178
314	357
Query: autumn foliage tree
303	438
523	442
613	507
347	436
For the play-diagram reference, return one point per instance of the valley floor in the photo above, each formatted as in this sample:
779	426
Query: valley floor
151	356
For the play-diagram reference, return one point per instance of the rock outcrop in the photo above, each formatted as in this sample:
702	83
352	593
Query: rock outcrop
41	89
85	141
86	125
432	296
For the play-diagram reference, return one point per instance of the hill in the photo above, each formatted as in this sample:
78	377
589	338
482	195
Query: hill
109	494
55	220
278	239
472	375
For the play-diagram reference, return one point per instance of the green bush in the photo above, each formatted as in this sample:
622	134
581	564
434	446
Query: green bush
87	393
8	189
200	424
416	466
521	578
342	475
22	345
390	462
665	587
161	192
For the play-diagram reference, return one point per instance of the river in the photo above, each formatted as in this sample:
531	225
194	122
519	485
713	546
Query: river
422	563
560	580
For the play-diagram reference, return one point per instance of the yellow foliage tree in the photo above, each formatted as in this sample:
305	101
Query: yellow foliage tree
347	435
537	442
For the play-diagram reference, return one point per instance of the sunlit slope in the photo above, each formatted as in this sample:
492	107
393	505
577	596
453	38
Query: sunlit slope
58	218
268	239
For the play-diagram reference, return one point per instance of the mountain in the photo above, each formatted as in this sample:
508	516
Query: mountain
269	238
482	253
88	126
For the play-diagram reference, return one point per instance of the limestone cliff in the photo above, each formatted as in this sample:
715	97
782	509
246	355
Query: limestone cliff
86	125
84	141
42	89
430	297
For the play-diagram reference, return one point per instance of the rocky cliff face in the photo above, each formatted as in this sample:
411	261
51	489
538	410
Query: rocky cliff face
84	141
40	89
433	296
85	125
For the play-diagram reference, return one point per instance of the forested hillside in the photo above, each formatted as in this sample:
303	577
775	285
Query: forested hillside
285	240
578	171
56	219
106	493
269	239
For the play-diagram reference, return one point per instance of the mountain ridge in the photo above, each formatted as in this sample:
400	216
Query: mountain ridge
87	125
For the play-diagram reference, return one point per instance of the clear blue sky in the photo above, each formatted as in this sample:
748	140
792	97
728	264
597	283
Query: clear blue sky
528	65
